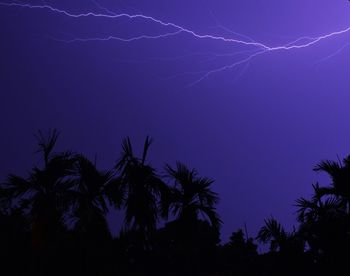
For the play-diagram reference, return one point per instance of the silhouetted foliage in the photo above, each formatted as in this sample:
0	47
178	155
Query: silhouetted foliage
54	222
191	196
143	190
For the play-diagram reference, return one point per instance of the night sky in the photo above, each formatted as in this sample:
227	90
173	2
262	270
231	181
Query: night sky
257	128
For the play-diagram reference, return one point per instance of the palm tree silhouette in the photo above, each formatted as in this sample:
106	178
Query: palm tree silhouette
285	242
44	197
192	196
274	233
319	206
340	176
194	234
46	193
96	191
323	222
144	190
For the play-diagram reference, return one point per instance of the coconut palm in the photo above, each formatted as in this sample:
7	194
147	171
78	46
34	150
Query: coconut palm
340	176
143	188
323	221
274	233
191	196
96	191
280	239
319	207
45	195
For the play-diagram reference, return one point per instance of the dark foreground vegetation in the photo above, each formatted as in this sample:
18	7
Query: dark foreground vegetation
53	222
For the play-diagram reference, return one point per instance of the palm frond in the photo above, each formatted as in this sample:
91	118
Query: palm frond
16	187
213	216
328	166
126	154
46	143
192	195
205	194
272	230
148	142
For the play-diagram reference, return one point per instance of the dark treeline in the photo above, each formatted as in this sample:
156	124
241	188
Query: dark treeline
53	222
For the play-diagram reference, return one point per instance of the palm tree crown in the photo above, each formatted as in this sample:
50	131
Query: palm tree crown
45	194
96	191
143	188
340	176
192	196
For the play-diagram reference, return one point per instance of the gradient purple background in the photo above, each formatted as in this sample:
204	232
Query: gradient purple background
258	132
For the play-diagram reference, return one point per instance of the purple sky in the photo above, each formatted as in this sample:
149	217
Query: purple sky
258	129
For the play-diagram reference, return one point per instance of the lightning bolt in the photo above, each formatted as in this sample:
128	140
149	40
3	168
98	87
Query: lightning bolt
174	29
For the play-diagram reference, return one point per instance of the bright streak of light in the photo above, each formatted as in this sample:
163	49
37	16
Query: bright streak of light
261	48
